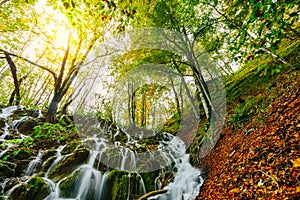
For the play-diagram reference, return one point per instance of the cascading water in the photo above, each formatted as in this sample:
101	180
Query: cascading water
92	179
34	164
187	181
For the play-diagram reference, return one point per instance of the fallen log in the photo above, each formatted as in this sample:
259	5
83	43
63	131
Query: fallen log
152	193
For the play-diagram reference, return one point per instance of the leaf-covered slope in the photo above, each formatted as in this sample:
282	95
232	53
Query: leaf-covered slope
258	154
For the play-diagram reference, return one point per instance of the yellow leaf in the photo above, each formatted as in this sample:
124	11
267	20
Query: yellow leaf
298	189
260	183
296	163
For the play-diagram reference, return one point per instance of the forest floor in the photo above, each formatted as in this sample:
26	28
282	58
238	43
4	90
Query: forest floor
259	159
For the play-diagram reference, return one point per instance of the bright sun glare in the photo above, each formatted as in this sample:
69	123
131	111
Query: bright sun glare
55	25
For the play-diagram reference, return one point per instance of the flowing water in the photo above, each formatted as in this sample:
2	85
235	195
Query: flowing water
92	179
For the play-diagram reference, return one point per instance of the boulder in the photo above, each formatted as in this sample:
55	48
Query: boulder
2	123
69	163
26	126
7	169
36	188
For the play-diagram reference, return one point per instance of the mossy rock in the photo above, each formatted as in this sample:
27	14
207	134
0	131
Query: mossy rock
2	123
2	197
68	184
46	165
22	154
7	169
36	188
48	154
117	185
71	146
12	182
149	179
19	192
26	126
21	167
69	163
84	183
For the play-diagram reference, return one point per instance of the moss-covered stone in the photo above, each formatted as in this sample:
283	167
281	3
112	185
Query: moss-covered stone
19	192
117	185
7	169
2	123
149	180
46	165
2	197
26	126
69	163
21	167
36	188
22	154
71	146
68	184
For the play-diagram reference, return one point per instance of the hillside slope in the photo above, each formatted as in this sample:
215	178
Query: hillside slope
258	155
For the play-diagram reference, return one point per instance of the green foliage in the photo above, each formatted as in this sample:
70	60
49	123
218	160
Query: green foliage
243	112
196	145
60	131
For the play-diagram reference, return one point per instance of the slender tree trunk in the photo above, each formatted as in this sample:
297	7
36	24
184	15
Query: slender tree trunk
13	70
176	97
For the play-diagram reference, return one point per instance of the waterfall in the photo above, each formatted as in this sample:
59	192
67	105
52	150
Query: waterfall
112	150
6	112
187	181
34	164
58	158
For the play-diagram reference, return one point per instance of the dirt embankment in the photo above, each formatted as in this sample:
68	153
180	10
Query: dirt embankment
259	161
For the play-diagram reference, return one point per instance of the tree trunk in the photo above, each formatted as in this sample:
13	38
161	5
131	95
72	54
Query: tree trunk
176	97
52	110
13	70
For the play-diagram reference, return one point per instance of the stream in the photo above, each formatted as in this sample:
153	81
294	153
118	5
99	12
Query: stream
107	164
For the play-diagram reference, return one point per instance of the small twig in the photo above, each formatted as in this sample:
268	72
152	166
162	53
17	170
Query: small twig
268	176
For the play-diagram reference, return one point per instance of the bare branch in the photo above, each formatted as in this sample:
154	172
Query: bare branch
35	64
152	193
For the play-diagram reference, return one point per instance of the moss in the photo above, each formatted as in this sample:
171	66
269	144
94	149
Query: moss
7	169
172	125
149	180
117	185
22	154
19	192
68	184
35	188
69	163
71	146
38	189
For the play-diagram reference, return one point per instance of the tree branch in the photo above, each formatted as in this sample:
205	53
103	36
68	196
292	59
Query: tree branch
35	64
152	193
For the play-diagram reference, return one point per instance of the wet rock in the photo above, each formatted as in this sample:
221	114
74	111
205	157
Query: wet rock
12	182
36	188
117	185
18	192
26	126
21	167
67	185
22	154
33	113
69	163
46	165
2	123
7	169
71	146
